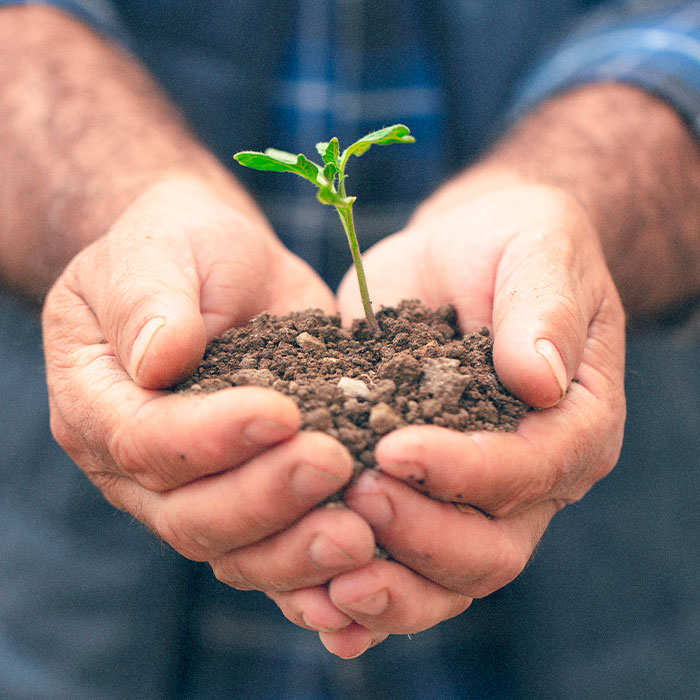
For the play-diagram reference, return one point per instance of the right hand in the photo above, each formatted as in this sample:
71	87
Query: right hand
227	477
523	259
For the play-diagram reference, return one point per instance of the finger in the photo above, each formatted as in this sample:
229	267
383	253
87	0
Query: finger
323	544
211	516
176	439
148	309
176	268
548	289
107	423
352	641
465	552
554	454
385	596
311	608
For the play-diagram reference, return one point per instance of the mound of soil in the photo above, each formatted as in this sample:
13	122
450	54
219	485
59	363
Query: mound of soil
358	387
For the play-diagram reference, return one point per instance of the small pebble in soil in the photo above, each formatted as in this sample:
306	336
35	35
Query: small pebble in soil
357	387
353	388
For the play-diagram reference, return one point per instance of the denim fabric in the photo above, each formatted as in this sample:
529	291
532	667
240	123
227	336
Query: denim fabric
80	616
610	609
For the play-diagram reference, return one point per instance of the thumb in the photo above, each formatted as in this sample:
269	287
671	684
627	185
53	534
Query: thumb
163	337
547	291
146	300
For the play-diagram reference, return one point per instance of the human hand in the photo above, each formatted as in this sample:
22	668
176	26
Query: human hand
224	478
524	261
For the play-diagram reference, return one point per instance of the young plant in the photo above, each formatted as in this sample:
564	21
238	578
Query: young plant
330	180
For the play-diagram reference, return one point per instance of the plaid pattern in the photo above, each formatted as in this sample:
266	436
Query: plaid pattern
659	52
348	71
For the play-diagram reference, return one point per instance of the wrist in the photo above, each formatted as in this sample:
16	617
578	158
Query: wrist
84	132
633	164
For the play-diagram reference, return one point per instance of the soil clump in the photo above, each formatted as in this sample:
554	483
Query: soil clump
358	387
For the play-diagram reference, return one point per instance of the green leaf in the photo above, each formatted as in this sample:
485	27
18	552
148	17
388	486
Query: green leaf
330	171
327	195
398	133
281	161
329	151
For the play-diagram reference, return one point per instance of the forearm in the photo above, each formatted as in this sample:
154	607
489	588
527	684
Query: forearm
83	131
635	167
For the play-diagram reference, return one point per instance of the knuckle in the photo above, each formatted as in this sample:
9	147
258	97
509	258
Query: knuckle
53	311
563	306
214	452
134	460
60	297
123	302
63	433
79	442
110	485
229	571
183	537
537	487
504	563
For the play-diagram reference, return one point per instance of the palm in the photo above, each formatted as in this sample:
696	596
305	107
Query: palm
526	263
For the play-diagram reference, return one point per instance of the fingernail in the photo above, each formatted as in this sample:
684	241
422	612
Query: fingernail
546	348
143	342
370	502
406	471
374	604
320	628
311	482
327	554
262	431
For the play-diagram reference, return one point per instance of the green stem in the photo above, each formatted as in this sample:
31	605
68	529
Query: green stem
345	213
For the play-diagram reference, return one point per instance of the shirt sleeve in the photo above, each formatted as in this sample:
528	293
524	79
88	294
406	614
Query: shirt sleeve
658	51
98	14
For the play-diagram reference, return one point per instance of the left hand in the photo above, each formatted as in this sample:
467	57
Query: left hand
525	261
226	477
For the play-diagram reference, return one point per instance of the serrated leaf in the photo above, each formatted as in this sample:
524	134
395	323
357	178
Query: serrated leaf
329	151
397	133
281	161
330	171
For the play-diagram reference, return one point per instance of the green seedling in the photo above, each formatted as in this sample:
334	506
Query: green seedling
330	180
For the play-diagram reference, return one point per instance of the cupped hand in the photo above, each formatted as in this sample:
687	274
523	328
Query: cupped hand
227	477
461	513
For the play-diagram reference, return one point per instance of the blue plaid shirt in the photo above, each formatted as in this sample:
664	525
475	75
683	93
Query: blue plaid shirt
345	72
343	69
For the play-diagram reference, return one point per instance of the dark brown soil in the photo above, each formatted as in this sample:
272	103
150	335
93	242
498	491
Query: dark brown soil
357	387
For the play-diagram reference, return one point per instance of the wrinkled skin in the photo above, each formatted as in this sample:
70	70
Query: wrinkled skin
228	479
202	473
525	262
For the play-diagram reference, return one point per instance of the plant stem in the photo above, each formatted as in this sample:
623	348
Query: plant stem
345	213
